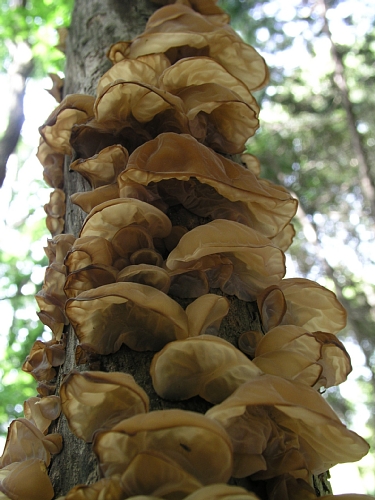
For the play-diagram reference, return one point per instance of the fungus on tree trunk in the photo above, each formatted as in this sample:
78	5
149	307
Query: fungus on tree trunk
177	98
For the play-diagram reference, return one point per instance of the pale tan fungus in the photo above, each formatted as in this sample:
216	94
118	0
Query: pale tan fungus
206	313
146	256
90	250
130	239
74	109
317	359
140	316
248	341
194	442
88	278
41	411
57	87
58	247
105	489
104	167
146	274
123	104
145	69
206	8
26	480
51	299
252	163
309	305
189	285
109	217
166	478
174	237
256	262
284	238
25	441
268	208
206	366
98	400
190	31
222	492
53	164
272	308
90	199
55	211
43	358
278	426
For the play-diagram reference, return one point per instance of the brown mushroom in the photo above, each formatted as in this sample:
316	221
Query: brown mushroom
58	247
208	184
189	34
104	167
108	488
145	69
75	108
194	442
317	359
53	164
99	400
43	358
26	480
278	426
55	211
205	314
109	217
256	262
146	274
91	199
140	316
51	299
166	479
207	366
25	441
88	278
90	250
222	492
41	411
308	305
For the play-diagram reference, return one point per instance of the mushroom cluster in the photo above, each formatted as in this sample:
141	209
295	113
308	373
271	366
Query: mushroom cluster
154	140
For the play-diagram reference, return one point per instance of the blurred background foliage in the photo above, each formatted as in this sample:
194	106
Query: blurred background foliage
317	138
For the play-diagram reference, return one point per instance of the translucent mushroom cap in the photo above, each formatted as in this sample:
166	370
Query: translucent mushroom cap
138	315
207	366
301	302
41	411
26	480
108	217
25	441
98	400
263	206
197	444
189	34
56	131
104	167
315	358
278	426
256	262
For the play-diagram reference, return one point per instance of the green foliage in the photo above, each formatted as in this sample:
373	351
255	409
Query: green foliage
34	22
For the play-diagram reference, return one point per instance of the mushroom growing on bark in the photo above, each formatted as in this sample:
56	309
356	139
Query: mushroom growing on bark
178	221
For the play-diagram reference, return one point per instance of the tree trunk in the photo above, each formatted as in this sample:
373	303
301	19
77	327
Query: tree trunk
95	26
